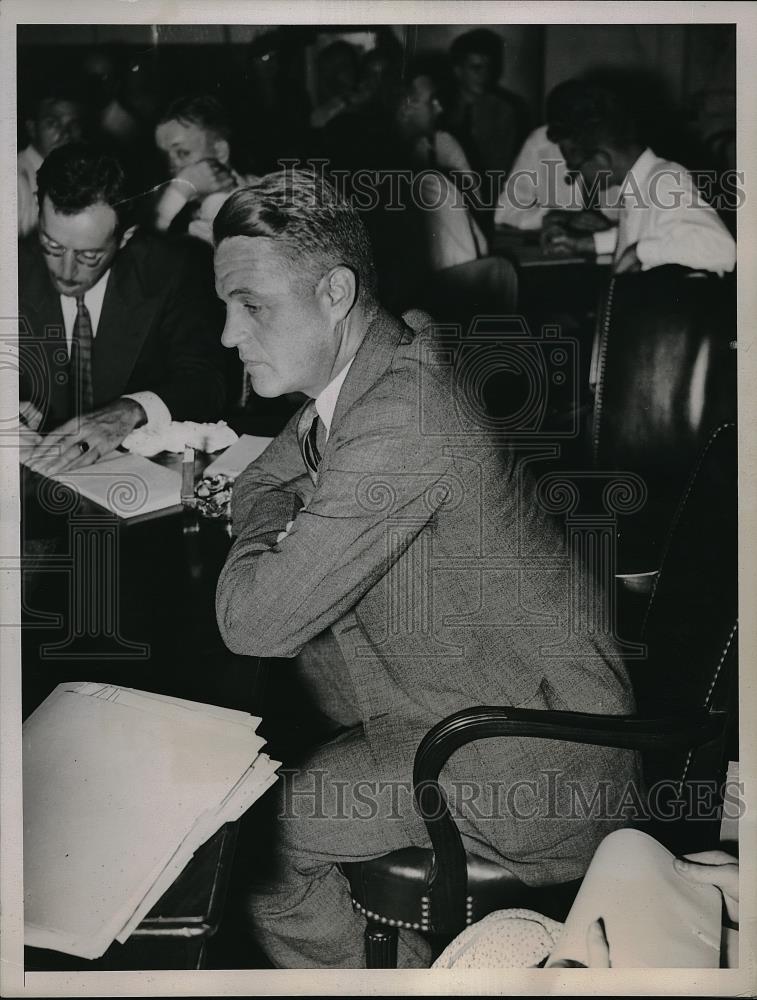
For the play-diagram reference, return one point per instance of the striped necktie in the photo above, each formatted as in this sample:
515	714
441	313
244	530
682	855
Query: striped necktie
308	434
81	361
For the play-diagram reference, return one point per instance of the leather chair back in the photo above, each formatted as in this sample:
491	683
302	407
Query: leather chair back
665	370
691	626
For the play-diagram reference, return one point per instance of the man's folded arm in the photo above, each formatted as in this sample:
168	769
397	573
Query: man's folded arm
270	491
363	515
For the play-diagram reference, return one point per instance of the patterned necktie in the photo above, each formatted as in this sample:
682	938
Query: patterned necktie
81	361
308	434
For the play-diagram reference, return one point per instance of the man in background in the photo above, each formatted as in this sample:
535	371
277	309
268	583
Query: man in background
488	121
662	218
539	189
54	117
119	330
194	135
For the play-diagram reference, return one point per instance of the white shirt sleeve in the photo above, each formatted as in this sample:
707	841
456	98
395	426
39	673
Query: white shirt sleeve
157	413
536	184
27	204
605	241
450	154
683	229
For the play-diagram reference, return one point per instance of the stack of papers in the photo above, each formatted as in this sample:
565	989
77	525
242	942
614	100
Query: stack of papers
121	787
127	485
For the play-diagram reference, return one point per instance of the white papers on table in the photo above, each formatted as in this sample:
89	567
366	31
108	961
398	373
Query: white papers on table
204	437
121	787
654	918
236	458
128	485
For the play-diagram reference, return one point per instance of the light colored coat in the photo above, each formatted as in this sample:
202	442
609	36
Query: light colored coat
424	552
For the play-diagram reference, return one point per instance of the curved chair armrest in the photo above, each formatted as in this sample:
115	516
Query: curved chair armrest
448	881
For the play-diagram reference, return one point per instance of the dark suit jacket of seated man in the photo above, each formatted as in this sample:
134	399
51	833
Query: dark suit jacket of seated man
155	343
412	539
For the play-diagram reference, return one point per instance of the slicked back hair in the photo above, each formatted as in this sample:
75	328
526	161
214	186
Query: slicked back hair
314	227
78	175
203	110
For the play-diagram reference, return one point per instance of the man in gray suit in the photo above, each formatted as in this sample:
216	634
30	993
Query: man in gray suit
384	525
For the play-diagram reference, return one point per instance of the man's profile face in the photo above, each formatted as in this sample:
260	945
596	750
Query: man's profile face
184	144
279	324
58	122
78	248
586	165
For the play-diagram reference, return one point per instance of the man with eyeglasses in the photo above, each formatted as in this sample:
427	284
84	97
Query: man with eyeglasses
52	120
119	329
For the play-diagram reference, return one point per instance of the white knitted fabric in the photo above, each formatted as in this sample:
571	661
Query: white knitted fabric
505	939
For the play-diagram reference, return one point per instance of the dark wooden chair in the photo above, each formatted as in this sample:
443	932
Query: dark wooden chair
684	728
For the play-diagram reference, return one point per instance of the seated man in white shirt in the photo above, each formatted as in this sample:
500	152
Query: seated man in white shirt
119	329
539	190
53	118
194	135
663	219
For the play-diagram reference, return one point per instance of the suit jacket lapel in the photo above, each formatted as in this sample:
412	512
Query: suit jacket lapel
371	361
42	336
125	320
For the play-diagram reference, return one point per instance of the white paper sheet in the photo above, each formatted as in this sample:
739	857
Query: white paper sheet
236	458
654	918
128	486
120	789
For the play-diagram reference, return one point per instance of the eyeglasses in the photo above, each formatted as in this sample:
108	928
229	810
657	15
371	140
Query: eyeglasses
89	258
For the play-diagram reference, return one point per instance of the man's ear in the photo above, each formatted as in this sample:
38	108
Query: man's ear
126	236
340	291
222	151
31	130
604	159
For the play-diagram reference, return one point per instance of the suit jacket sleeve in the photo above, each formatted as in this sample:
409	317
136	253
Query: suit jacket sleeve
191	380
272	598
271	490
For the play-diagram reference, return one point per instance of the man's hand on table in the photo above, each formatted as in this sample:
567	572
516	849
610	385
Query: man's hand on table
557	242
83	440
587	220
29	419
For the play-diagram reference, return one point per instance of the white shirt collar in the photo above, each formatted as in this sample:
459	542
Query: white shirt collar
325	402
